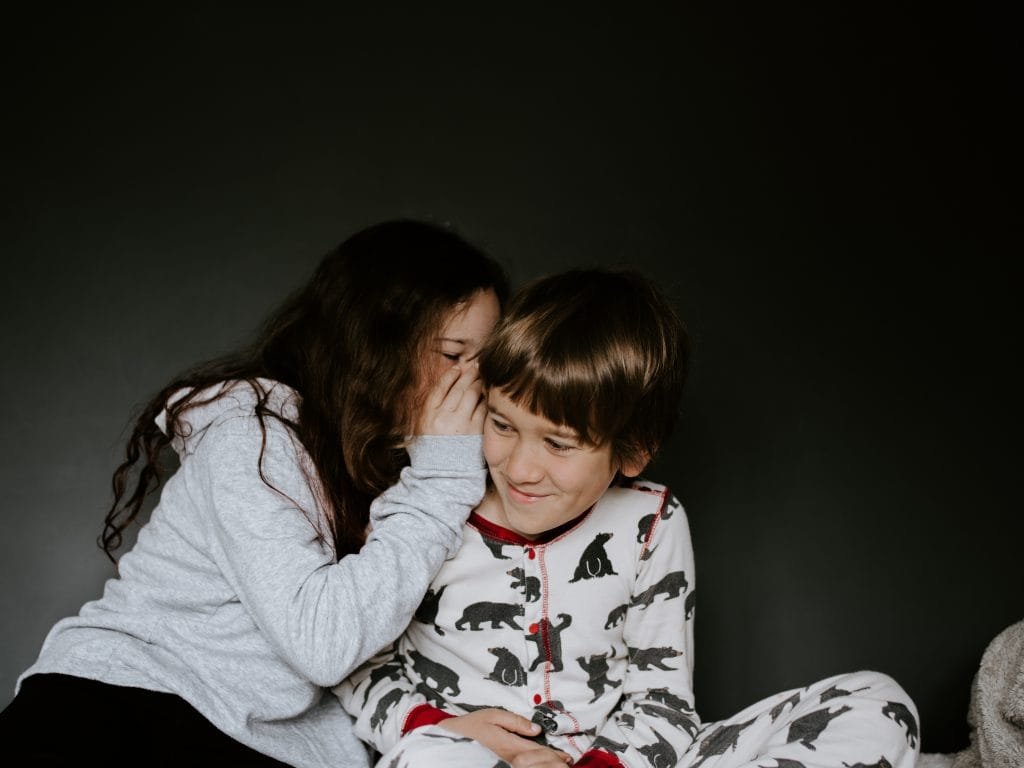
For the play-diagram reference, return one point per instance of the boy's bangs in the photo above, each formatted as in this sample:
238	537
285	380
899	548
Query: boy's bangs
563	392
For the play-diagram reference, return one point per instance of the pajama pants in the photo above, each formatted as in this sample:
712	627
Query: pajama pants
858	720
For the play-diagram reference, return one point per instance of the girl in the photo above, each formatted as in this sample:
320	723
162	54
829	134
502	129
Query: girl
290	544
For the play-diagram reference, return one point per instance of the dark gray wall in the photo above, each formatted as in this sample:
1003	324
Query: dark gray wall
821	194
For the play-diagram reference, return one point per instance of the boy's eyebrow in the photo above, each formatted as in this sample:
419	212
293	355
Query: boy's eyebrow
567	432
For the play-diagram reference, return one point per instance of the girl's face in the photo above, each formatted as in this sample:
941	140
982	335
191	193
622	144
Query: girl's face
462	335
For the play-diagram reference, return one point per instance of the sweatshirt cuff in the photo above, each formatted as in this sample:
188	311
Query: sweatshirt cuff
597	758
459	452
424	714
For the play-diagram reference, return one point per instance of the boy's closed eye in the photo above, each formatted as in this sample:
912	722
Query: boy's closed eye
499	425
558	445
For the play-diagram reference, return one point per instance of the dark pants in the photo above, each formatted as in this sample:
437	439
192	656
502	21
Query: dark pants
68	721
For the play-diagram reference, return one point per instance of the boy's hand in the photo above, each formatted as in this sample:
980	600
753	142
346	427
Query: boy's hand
541	757
507	735
455	405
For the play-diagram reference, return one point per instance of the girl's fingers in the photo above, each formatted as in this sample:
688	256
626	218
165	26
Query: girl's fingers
464	393
479	414
452	406
470	399
443	387
468	379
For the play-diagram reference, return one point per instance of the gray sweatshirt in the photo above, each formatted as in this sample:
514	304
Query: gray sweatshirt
229	599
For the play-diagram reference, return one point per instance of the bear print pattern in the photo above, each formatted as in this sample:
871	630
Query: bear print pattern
512	623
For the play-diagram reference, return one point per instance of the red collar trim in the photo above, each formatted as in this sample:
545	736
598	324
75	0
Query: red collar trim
495	531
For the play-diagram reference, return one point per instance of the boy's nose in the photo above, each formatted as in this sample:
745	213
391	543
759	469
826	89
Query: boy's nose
522	466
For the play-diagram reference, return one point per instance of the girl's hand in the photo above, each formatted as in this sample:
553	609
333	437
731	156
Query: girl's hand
507	735
455	406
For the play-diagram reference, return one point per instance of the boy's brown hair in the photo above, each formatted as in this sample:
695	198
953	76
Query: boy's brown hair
602	352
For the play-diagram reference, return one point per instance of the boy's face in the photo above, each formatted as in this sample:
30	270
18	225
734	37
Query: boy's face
544	474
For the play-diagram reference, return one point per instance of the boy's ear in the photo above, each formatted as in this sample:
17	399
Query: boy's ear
634	466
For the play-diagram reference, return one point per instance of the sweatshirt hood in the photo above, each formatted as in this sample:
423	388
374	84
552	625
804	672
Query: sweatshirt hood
235	398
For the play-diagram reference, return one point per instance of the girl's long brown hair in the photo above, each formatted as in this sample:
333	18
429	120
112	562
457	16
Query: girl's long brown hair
349	343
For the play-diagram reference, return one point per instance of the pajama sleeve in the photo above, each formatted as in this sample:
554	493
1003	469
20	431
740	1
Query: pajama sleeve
380	698
655	721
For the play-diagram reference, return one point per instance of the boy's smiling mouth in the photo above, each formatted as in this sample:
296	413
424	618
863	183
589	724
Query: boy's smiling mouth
522	496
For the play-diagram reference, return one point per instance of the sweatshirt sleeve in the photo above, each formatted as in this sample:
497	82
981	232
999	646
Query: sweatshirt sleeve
656	714
326	617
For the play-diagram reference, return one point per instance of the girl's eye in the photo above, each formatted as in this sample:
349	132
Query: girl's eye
500	426
451	356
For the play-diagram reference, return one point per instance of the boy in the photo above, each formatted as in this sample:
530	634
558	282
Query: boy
571	601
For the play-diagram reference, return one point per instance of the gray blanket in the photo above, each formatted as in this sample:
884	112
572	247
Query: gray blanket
996	713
